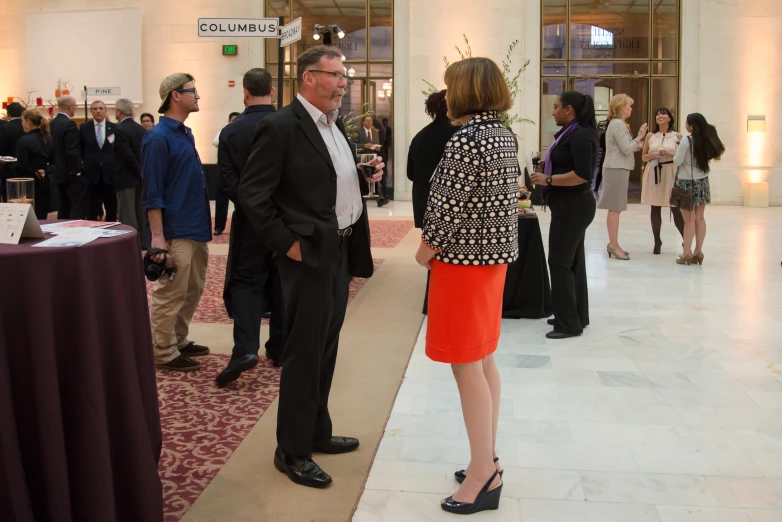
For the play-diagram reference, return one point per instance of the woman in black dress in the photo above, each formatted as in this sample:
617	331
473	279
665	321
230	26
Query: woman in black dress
35	158
426	151
568	170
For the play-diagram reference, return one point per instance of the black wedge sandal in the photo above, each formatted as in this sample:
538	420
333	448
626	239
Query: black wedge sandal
487	499
461	474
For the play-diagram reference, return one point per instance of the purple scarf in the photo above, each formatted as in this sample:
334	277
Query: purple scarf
548	167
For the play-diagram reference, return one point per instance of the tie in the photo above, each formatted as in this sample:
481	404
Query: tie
369	136
99	134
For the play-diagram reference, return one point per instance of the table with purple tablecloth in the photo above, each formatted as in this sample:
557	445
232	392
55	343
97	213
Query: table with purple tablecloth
80	434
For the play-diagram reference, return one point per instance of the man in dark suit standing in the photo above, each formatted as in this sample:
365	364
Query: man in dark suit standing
301	190
97	145
127	174
368	142
72	189
250	267
9	135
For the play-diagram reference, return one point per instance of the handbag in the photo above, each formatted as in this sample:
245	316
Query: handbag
680	198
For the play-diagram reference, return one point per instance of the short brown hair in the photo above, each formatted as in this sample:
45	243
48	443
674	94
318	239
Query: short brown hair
476	85
309	59
617	103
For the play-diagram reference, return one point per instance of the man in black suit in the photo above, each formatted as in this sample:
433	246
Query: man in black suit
72	188
368	142
127	174
250	268
9	135
301	191
97	145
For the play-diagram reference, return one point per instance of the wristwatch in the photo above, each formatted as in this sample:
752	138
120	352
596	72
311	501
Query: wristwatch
549	179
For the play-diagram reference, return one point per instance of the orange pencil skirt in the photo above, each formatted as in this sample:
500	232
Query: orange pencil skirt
465	312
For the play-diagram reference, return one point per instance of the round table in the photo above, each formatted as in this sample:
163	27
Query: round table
80	434
527	291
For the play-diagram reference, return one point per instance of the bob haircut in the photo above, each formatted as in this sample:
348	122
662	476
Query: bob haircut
616	105
476	85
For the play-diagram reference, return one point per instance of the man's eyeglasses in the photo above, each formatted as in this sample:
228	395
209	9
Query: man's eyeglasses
193	90
338	76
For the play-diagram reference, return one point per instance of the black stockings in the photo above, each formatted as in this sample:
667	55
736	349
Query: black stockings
657	222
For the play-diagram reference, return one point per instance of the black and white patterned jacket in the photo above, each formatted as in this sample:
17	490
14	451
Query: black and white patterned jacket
471	216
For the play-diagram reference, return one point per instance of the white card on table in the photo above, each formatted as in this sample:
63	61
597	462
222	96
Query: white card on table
17	220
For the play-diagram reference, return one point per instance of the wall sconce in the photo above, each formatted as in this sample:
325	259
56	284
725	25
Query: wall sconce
756	123
381	94
351	72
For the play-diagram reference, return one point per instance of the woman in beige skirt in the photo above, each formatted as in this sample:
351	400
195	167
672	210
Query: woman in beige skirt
619	161
660	172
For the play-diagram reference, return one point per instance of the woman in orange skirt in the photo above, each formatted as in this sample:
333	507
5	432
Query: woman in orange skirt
470	234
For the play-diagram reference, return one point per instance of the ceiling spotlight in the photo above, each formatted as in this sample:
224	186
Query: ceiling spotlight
316	34
339	32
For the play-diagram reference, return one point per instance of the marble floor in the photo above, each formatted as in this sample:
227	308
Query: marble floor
667	409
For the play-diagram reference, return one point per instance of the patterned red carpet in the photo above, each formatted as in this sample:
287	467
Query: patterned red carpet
212	310
385	233
203	425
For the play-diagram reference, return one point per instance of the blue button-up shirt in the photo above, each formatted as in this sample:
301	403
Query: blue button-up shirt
174	181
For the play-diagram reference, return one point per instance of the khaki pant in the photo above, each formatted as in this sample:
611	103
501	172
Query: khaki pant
174	301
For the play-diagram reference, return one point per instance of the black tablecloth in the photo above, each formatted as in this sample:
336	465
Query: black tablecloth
80	434
527	287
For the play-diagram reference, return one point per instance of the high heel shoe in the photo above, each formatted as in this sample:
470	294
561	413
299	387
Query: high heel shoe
684	259
462	473
486	499
657	246
612	252
697	259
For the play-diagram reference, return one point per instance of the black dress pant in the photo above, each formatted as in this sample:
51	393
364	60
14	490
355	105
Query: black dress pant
103	195
221	210
571	214
315	303
73	200
252	287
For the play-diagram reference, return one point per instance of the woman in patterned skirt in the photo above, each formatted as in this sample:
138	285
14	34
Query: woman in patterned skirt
470	234
693	157
660	172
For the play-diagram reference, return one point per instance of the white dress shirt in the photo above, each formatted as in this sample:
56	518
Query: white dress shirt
349	204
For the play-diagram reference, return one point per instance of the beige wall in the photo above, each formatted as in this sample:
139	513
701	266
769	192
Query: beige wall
170	43
732	67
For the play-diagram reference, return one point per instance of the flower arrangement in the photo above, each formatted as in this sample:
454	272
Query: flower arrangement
511	78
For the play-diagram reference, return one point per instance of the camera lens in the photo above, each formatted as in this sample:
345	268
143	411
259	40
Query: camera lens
153	272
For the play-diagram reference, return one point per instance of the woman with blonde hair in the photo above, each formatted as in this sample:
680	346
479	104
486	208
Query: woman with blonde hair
470	234
35	158
619	161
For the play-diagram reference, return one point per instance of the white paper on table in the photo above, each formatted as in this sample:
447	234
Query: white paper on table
75	237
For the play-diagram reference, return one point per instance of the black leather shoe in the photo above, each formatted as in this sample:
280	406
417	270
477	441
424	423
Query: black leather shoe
194	350
301	470
235	368
336	445
382	202
487	499
560	335
219	231
462	473
275	362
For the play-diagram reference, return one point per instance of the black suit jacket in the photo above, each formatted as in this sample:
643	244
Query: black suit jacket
67	146
289	192
236	141
34	154
98	161
426	151
11	132
361	139
127	154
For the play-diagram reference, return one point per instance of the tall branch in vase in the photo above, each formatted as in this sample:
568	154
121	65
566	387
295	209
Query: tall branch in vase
511	79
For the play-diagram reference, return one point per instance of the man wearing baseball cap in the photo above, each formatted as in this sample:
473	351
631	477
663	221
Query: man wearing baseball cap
177	204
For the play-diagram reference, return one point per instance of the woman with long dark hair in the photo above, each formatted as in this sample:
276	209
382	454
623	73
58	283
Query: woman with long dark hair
693	157
567	172
35	158
660	173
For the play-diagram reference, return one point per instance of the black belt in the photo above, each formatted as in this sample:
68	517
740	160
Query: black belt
658	171
345	232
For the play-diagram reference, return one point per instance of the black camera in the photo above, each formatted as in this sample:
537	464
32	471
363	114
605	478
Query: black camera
154	271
